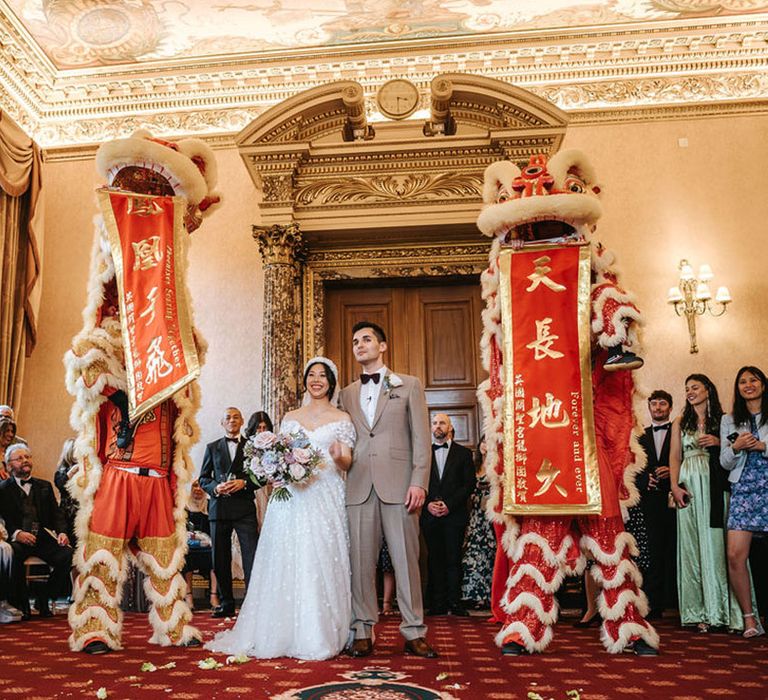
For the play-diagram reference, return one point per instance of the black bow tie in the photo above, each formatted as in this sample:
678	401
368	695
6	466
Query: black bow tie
663	426
375	378
440	447
229	439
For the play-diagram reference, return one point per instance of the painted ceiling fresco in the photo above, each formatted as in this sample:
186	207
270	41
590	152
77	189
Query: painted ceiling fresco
92	33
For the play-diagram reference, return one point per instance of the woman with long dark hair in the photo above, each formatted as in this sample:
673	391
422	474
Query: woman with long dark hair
694	464
258	423
744	435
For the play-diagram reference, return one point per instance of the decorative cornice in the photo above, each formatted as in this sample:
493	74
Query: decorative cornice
662	65
391	188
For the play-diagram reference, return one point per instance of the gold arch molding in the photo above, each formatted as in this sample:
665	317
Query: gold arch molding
347	195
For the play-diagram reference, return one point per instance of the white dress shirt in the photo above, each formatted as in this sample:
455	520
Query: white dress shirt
659	436
26	488
232	447
369	395
440	456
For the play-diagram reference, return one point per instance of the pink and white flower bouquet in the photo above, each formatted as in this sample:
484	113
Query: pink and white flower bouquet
281	460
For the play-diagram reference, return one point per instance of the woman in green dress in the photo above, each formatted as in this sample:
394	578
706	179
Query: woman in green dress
698	490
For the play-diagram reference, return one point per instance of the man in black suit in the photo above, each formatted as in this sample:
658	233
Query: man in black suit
444	518
653	483
36	527
231	507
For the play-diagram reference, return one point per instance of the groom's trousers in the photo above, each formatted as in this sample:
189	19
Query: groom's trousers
367	521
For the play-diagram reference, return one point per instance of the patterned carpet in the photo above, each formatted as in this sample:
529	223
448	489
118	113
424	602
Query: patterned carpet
38	664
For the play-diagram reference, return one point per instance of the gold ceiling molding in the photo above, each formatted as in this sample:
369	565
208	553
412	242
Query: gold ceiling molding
655	64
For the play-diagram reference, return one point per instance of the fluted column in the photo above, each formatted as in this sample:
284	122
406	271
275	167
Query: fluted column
282	252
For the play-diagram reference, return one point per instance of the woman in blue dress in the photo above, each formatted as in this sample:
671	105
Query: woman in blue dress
744	436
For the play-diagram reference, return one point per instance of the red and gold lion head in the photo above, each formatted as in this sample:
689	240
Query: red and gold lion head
551	200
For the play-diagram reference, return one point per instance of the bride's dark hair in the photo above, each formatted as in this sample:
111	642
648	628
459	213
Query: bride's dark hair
329	375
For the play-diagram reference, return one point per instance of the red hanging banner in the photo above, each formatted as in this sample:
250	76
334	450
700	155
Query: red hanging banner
148	241
550	458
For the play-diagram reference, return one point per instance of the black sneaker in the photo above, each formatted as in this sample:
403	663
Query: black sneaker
96	647
623	361
513	649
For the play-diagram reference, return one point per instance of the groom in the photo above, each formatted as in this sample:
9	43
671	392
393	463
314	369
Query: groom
386	487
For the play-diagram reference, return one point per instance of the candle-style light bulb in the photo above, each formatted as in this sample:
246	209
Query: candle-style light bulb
723	296
702	292
674	295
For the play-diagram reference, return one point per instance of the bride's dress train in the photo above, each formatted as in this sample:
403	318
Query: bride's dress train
298	603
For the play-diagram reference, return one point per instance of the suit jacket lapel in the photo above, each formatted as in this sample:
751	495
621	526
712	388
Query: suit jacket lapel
355	409
383	400
226	459
448	461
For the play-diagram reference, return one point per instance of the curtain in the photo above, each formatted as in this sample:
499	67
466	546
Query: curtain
21	238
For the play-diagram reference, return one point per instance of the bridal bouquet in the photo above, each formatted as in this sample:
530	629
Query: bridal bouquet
281	460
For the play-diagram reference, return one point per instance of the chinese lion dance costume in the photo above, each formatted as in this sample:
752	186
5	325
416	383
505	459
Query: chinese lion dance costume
556	201
131	476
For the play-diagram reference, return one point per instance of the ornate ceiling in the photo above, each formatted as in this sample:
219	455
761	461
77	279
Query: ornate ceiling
75	72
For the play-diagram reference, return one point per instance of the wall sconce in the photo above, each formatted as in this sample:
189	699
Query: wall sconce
691	298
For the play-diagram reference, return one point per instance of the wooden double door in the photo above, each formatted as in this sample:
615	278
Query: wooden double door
433	332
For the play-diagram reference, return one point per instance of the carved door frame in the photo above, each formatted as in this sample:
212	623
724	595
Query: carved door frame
345	197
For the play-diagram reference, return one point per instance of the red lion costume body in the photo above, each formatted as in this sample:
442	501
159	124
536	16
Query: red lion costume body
556	201
131	476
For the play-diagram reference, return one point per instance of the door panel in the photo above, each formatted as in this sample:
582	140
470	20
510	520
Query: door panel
433	333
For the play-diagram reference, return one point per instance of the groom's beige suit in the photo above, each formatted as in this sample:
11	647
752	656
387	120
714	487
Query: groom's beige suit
392	453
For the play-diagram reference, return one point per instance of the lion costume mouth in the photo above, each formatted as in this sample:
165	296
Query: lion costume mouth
546	230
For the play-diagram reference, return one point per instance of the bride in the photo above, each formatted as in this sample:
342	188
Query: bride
298	603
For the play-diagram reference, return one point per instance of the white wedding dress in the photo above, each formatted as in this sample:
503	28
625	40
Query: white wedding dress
298	603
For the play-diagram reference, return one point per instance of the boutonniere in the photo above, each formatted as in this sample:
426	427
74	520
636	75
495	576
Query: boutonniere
392	381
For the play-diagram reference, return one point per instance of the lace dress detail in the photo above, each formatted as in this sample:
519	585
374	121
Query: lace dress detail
299	601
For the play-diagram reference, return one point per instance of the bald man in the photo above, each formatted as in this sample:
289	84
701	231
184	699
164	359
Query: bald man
444	517
231	507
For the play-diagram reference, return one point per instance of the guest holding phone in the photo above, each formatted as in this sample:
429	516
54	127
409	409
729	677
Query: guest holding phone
745	456
694	464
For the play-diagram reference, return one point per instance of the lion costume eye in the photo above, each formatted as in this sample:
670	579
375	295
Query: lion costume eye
575	185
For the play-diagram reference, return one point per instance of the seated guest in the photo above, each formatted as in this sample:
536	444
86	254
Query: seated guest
7	614
660	584
67	503
7	412
7	434
37	528
744	453
444	517
199	556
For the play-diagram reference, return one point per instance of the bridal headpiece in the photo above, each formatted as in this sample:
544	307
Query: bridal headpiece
332	366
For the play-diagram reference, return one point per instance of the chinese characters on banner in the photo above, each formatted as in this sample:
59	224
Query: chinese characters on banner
147	237
550	460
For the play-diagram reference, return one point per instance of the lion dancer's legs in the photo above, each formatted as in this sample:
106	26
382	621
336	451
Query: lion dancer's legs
95	616
160	556
622	603
126	506
543	551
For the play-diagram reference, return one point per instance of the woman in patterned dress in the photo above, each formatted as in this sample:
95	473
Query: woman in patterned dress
480	542
744	435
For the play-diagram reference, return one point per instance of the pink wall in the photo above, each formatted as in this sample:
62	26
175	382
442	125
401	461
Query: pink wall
662	202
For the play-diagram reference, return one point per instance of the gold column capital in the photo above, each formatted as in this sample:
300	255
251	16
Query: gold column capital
280	244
